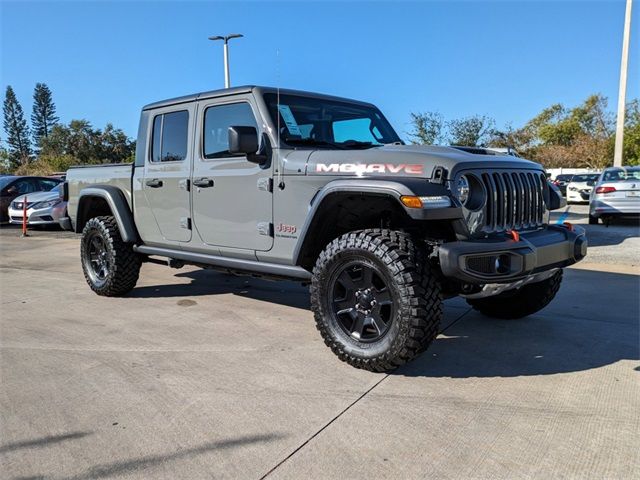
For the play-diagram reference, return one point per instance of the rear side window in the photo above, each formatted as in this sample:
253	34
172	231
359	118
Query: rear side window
46	184
217	121
170	137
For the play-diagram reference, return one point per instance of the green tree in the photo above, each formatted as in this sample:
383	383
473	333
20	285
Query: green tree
474	131
80	141
428	128
631	145
15	126
43	115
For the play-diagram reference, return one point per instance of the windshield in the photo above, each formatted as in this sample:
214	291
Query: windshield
4	181
321	122
585	178
622	175
57	188
563	178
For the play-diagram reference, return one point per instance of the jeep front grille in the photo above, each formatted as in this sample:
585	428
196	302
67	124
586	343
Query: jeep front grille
515	200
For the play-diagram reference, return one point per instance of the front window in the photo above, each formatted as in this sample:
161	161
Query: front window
320	122
217	120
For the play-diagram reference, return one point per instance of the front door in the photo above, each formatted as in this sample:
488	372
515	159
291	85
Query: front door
232	199
166	173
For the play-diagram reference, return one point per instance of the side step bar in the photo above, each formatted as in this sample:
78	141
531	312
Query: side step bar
241	265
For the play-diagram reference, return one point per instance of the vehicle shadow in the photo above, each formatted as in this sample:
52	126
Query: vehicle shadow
211	282
578	331
139	465
42	442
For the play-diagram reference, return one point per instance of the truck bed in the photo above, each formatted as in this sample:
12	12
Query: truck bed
114	174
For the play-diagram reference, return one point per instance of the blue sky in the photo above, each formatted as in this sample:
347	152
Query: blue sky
508	59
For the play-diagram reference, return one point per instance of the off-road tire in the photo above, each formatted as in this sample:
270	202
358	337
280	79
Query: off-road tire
415	290
521	302
593	220
124	263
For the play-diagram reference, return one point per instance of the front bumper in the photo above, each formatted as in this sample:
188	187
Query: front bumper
504	260
39	216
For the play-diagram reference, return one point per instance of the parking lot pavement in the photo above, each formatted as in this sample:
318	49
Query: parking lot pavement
198	374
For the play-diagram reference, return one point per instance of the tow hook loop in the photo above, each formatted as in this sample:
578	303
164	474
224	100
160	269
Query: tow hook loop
568	226
514	235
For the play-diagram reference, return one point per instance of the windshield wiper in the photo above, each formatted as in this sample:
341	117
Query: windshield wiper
311	141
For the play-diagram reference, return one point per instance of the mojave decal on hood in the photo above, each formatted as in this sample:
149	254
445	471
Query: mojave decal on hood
404	161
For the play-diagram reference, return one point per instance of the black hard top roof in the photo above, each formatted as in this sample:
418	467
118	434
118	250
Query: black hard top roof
258	90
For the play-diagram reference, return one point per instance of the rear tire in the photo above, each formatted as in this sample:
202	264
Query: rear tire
375	300
521	302
111	267
593	220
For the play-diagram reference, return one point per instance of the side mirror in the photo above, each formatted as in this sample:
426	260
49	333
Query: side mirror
243	140
591	183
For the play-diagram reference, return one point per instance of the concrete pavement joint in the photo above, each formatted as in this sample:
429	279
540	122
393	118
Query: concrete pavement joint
307	441
301	446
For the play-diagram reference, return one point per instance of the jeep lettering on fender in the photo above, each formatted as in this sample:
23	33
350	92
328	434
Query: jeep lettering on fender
318	189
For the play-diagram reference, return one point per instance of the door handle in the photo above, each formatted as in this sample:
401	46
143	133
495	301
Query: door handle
203	183
155	183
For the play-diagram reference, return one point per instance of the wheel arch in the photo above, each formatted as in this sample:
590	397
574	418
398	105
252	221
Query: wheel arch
345	205
100	200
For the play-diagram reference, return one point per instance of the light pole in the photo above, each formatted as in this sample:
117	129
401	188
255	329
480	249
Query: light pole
622	92
227	81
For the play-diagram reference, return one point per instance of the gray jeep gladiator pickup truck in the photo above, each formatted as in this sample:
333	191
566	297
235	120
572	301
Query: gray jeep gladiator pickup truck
294	185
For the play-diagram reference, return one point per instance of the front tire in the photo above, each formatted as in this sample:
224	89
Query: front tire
375	300
110	266
521	302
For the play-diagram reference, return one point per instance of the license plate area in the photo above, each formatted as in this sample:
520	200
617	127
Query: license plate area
633	194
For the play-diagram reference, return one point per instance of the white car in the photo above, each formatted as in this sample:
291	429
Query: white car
43	208
617	194
580	186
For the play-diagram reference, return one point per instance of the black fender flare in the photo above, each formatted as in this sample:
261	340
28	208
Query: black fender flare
371	186
117	204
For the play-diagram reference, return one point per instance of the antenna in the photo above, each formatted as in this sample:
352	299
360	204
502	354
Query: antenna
280	159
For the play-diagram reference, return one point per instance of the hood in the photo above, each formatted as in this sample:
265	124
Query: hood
406	161
37	197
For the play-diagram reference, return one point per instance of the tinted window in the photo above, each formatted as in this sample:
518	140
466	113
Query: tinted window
217	121
26	185
157	136
170	137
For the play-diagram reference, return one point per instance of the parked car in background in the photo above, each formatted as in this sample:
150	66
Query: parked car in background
616	194
561	181
13	186
579	188
43	208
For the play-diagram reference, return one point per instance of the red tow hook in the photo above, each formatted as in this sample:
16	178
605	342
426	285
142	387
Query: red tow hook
568	226
514	235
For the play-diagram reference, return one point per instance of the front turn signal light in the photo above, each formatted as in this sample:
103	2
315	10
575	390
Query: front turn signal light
411	201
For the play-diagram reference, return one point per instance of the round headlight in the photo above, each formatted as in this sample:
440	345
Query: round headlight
463	189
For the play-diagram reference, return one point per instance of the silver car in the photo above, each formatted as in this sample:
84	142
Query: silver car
616	194
43	208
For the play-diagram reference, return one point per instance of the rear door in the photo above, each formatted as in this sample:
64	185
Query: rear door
165	181
232	199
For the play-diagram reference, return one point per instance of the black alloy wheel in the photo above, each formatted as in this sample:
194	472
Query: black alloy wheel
362	301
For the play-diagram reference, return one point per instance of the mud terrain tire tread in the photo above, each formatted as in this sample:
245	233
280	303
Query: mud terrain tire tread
420	300
525	301
126	263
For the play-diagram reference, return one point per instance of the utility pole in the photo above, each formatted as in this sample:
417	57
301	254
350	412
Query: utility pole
622	91
226	38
